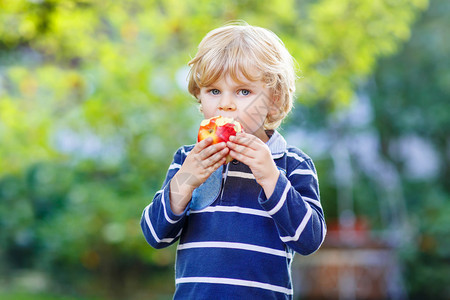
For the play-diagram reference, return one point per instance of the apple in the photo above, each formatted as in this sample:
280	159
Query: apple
220	129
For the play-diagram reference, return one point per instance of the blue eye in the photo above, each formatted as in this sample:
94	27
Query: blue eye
244	92
214	92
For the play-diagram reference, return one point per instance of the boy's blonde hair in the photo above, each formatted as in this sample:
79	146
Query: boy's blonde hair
237	49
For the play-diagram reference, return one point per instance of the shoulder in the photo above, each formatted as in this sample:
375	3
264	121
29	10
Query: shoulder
185	149
279	148
295	155
298	162
182	152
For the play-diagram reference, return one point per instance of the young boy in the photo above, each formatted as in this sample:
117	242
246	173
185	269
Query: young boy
239	224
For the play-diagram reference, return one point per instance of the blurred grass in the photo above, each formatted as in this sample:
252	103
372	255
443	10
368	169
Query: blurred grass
19	295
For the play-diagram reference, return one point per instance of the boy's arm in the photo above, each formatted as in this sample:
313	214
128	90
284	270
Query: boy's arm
163	219
295	207
293	203
160	225
199	164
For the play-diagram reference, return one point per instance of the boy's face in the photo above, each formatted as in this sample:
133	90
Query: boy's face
246	101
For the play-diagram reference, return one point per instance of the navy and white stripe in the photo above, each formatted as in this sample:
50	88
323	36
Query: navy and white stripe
243	244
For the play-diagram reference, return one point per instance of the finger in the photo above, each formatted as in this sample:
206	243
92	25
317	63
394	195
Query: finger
200	146
246	139
217	157
241	149
210	160
211	169
212	149
219	163
241	157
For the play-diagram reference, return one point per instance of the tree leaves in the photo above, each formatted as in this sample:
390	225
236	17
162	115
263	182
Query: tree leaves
93	98
97	58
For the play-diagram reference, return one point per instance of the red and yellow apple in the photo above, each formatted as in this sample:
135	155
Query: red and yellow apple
220	129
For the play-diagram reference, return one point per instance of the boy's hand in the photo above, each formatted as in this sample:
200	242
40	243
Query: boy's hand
199	164
253	152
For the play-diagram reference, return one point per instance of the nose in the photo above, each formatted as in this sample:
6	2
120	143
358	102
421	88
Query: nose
227	103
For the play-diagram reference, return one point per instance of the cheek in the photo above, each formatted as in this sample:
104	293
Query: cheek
208	109
260	108
253	117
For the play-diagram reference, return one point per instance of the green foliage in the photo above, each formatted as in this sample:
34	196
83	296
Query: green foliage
408	96
93	104
80	224
111	67
411	93
426	262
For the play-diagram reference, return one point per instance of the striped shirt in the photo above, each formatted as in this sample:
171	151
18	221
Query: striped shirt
234	243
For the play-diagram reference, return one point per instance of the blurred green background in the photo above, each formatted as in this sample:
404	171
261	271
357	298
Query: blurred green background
93	104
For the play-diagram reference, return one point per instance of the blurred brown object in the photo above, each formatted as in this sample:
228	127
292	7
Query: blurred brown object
350	265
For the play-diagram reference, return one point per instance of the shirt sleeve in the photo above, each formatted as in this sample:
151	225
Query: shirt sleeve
160	225
296	209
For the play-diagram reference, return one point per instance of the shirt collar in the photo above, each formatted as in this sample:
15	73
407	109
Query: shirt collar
277	144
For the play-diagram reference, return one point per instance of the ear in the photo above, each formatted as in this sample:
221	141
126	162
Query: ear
196	93
197	96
